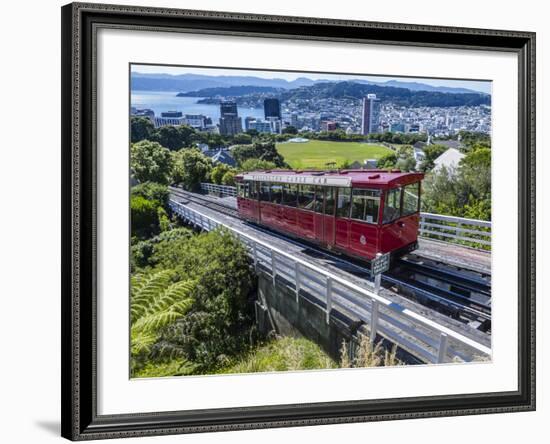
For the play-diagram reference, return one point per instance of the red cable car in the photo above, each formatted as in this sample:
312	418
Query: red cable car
356	212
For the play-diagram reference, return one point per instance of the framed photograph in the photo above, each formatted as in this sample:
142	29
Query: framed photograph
278	221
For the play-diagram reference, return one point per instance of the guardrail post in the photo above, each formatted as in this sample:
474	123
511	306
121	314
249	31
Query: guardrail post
377	282
442	351
255	253
373	321
273	267
297	279
329	298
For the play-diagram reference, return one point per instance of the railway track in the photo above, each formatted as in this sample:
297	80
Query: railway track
457	293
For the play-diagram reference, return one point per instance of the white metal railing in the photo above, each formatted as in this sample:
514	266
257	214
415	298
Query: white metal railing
220	190
471	232
420	336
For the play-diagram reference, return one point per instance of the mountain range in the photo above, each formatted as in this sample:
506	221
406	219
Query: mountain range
184	83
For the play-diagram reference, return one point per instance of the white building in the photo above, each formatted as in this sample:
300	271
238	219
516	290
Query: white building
450	159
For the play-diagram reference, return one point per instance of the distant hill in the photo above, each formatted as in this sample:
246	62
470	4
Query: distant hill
231	91
194	82
398	96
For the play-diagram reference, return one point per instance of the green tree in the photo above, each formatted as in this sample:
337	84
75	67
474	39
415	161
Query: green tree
258	150
431	152
257	164
220	320
242	138
218	172
191	167
144	216
151	191
406	163
156	303
141	128
387	161
149	161
169	137
229	178
290	130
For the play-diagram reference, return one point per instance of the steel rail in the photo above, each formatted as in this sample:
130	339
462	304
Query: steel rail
208	223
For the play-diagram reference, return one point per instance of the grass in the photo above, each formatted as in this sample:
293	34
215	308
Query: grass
317	153
282	354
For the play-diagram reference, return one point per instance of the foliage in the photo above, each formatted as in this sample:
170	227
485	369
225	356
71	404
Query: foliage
407	163
141	128
218	172
431	152
281	354
142	251
151	191
388	160
229	178
258	150
257	164
464	191
174	137
368	355
191	167
218	324
149	161
290	130
242	138
156	303
144	216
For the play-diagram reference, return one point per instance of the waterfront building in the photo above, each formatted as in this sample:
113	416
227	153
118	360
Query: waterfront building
230	122
370	115
272	108
261	126
173	118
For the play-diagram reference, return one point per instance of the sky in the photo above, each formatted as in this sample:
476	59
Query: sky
476	85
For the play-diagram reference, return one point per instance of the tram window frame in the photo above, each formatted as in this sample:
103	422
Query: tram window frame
319	204
287	187
310	202
276	196
332	192
376	197
253	190
263	187
398	213
414	185
347	212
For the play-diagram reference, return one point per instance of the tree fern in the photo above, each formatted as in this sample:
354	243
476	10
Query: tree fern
156	302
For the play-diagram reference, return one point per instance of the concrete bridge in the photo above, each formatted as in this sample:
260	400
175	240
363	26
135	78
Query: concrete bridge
311	293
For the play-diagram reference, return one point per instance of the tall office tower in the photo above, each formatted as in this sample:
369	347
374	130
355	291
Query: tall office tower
371	114
272	108
230	122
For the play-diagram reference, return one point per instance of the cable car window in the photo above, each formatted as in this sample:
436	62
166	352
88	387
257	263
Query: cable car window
330	199
253	190
319	198
306	197
365	205
392	205
411	198
290	192
240	189
264	191
276	193
343	203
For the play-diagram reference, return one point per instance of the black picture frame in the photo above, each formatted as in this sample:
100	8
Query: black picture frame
80	420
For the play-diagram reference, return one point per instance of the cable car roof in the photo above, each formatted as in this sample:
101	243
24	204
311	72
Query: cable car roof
343	178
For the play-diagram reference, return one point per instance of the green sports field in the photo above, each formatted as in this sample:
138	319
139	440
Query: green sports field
317	153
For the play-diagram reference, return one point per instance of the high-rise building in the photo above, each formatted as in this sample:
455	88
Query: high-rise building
272	108
230	122
247	121
371	114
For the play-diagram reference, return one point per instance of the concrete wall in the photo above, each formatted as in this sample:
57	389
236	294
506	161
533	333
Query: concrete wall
278	310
